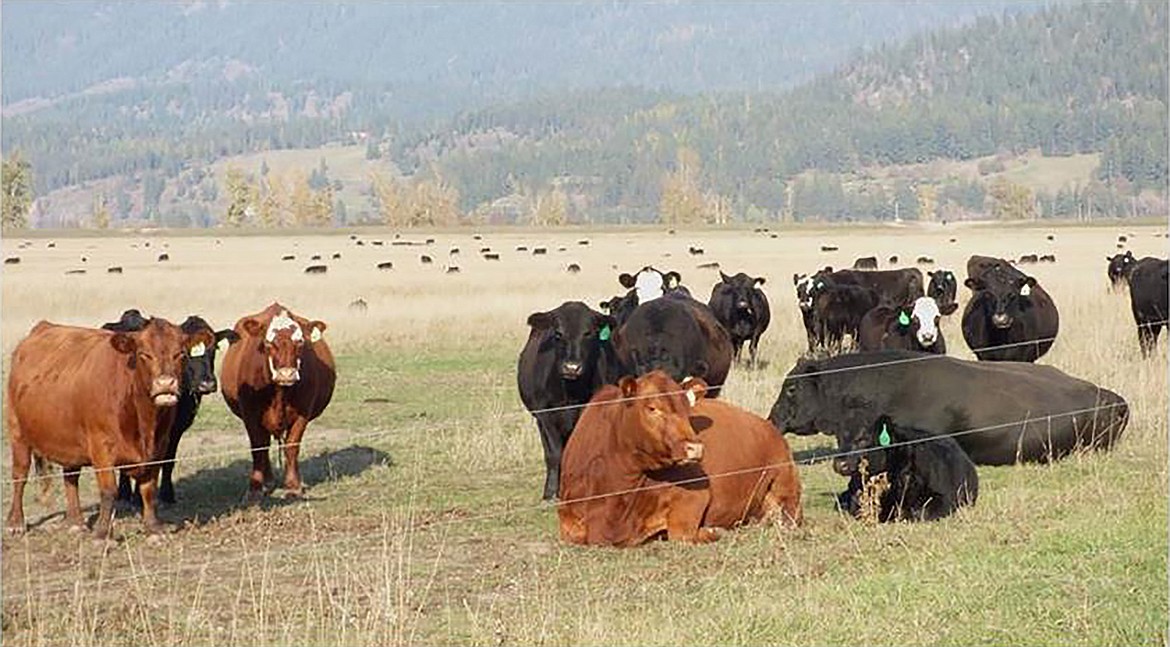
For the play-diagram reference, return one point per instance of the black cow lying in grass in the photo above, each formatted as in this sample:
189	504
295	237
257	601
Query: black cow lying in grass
929	476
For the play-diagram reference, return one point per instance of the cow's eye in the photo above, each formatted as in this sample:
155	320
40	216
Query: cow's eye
558	335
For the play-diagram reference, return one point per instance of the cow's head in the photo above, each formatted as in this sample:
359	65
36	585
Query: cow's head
620	307
158	356
1004	298
649	284
920	319
1119	268
794	411
130	321
199	376
809	287
283	343
575	334
944	288
870	442
661	410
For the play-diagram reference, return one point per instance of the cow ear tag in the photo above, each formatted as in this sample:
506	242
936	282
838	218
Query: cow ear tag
884	437
903	319
222	344
1026	290
198	350
315	336
604	334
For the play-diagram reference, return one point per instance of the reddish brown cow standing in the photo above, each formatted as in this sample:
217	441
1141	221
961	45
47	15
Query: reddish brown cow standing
629	474
277	378
79	396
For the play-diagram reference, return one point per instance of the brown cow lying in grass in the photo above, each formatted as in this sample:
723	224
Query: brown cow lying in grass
650	456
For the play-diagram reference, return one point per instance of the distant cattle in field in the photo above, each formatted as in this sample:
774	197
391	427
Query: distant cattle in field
376	243
426	260
453	251
708	266
742	308
315	257
359	305
477	237
695	251
583	241
521	248
829	248
386	265
164	257
914	327
1009	317
680	439
12	260
1148	293
925	260
452	269
288	257
1048	258
944	289
538	251
430	241
954	240
491	257
929	476
573	268
116	269
336	256
569	355
866	263
361	243
316	269
73	272
84	259
1118	269
1051	237
485	250
197	380
893	260
670	232
277	378
52	244
1028	259
81	396
1122	239
562	248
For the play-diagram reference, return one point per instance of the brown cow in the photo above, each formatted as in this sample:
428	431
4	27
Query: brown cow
79	396
277	378
745	471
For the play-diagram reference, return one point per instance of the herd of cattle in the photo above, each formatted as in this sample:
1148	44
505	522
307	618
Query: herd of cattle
636	443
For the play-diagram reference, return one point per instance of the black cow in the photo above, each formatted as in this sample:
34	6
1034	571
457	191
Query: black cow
908	328
1010	317
679	336
198	380
929	476
866	263
1028	259
1148	294
944	289
898	287
1000	413
1120	265
838	310
569	355
742	308
807	288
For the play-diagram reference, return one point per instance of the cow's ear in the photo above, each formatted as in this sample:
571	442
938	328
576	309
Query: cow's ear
974	284
626	279
759	281
796	279
930	273
540	320
629	386
725	278
198	343
123	343
673	279
316	329
228	335
1129	255
696	388
253	327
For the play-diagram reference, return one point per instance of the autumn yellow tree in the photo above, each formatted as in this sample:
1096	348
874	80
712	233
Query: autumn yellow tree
270	212
682	202
1011	201
99	215
241	197
17	180
391	199
550	208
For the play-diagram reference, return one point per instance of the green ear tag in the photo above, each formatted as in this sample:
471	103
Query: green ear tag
604	334
884	437
903	319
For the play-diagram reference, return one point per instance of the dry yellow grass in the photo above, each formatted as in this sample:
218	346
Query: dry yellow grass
422	523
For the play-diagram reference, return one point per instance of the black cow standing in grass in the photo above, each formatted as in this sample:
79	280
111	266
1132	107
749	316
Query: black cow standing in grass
742	307
1148	295
569	355
929	476
198	380
679	336
1010	317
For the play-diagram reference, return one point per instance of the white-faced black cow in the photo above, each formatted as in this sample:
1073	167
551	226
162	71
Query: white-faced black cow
1010	317
569	355
999	413
742	307
1148	294
645	285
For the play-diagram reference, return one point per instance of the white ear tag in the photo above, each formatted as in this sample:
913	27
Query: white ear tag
691	397
1026	290
315	336
222	344
199	350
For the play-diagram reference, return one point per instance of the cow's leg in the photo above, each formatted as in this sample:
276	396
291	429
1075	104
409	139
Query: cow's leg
737	349
1148	337
686	514
553	448
166	488
148	487
125	490
21	461
73	518
752	349
260	480
292	449
107	482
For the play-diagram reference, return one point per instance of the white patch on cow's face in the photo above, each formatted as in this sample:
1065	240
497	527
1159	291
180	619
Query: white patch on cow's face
315	336
280	322
649	285
1026	290
926	313
804	286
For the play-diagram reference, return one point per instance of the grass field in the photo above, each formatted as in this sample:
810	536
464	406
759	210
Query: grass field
422	522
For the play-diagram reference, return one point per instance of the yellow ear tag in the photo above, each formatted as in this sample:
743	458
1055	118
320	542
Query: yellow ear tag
199	350
315	336
222	344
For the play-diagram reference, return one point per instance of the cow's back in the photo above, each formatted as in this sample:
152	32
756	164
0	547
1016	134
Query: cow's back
679	336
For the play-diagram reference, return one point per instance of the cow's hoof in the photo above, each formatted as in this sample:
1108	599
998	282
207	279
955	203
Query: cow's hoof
707	535
17	530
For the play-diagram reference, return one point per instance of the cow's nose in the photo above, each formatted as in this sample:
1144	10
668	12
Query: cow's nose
287	375
841	466
742	305
1001	320
165	384
571	370
208	386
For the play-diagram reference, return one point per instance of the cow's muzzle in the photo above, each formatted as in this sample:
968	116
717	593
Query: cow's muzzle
207	386
926	339
844	466
571	370
1001	320
692	452
164	390
285	375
